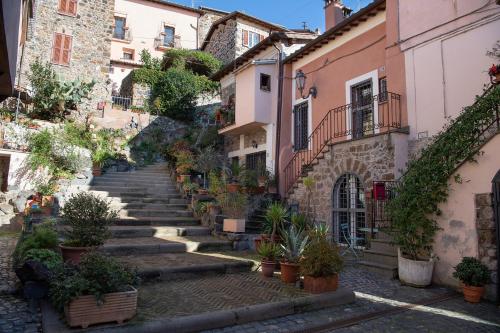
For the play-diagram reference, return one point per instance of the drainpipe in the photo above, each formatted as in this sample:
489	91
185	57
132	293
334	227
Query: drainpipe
278	120
496	215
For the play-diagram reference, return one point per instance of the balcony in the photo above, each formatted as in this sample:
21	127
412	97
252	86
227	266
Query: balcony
378	114
161	42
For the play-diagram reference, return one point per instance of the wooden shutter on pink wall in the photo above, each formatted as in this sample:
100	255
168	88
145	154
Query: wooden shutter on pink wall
262	37
245	37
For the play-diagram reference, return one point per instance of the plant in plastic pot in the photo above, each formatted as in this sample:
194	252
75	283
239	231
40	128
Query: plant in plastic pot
268	252
294	244
86	218
474	275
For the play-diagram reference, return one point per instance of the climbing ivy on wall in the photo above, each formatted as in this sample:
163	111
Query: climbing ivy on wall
425	184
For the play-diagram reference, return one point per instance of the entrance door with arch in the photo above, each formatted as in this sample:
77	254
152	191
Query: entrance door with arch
349	211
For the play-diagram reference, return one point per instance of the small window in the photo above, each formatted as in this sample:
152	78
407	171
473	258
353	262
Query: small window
250	38
382	84
68	7
169	36
265	82
128	54
300	125
119	30
61	49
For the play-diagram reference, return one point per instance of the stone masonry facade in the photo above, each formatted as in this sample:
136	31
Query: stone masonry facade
487	242
234	143
205	22
370	159
91	31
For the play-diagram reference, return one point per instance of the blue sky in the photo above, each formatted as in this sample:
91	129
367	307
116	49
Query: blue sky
289	13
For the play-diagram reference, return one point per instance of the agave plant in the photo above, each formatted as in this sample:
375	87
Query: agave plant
295	242
276	215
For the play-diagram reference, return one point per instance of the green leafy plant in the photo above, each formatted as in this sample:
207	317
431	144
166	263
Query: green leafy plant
89	217
321	258
299	221
207	159
269	251
96	275
472	272
233	204
46	188
276	215
43	236
294	244
49	258
185	162
216	184
425	184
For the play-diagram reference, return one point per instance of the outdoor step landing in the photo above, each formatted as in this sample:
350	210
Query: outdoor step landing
170	266
145	231
138	188
383	246
157	221
155	213
381	257
149	206
133	195
148	200
385	270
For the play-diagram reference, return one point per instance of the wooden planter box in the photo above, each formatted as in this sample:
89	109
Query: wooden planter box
117	307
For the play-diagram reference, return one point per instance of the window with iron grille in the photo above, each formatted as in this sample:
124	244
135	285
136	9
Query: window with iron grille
300	125
382	84
256	161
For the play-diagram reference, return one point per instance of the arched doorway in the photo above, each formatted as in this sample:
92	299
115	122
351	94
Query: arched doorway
349	211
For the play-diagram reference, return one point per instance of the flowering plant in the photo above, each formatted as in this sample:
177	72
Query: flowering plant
494	70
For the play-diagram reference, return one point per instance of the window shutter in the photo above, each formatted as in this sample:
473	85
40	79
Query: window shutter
245	37
262	37
66	53
63	6
72	7
57	48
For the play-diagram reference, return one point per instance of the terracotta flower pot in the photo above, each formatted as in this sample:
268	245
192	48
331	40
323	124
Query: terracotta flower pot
96	170
267	268
47	201
117	307
262	181
74	254
318	285
472	294
233	187
257	242
214	210
178	179
47	210
289	272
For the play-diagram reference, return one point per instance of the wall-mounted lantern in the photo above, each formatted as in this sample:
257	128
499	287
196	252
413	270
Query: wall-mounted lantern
301	78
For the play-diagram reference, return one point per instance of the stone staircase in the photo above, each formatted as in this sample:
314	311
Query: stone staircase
156	231
381	257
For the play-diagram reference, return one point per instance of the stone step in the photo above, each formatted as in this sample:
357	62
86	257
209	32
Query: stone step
147	200
383	246
98	181
134	177
172	244
150	206
170	266
157	221
390	272
155	213
157	231
132	195
156	191
380	257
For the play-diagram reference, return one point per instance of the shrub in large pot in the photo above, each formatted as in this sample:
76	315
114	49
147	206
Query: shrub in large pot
268	252
294	243
474	275
86	218
99	290
320	265
234	210
234	173
184	164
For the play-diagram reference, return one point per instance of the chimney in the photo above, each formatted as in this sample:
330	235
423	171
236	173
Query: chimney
334	13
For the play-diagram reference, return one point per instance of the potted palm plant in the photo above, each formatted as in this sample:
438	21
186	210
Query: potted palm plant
474	275
268	252
294	244
87	218
275	217
99	157
321	264
100	290
206	161
234	210
235	172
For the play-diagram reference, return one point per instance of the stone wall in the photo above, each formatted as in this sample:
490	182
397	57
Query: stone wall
370	159
487	242
204	24
222	44
91	44
259	136
138	91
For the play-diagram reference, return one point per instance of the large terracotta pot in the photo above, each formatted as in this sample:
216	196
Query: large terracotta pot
416	273
267	268
96	170
472	294
289	272
318	285
117	307
233	187
74	254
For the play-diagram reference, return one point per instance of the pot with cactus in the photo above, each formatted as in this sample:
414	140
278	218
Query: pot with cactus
294	244
268	252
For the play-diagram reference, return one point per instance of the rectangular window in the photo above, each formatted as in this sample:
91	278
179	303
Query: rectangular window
256	161
68	7
250	38
119	30
61	49
300	125
169	36
382	84
265	82
128	54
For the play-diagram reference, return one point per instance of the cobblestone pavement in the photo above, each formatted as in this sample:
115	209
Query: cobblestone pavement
374	294
15	314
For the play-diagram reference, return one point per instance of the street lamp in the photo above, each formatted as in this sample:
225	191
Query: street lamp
301	78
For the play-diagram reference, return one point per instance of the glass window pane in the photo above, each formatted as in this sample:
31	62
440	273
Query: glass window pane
119	31
169	37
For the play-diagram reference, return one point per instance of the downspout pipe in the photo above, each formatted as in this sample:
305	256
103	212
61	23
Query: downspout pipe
496	216
278	119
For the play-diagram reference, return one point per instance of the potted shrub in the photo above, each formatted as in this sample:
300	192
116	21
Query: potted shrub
268	252
294	244
206	161
235	172
321	265
99	157
234	210
100	290
46	191
474	275
184	164
88	218
274	219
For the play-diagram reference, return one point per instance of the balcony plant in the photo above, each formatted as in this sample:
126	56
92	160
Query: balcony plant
474	275
321	264
234	210
88	218
294	244
268	252
100	290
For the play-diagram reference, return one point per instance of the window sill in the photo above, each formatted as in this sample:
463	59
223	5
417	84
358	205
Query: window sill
118	40
62	65
163	47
